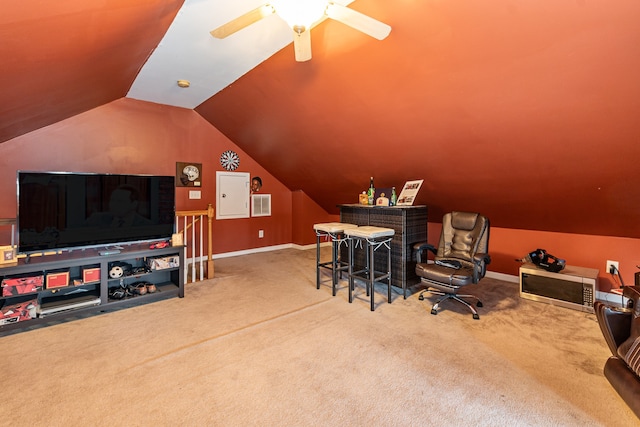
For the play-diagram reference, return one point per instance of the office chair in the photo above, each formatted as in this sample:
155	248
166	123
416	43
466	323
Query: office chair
460	259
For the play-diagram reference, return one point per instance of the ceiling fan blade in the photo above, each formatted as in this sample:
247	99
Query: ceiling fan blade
361	22
302	44
243	21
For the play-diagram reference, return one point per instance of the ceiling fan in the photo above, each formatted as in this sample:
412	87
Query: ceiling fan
301	17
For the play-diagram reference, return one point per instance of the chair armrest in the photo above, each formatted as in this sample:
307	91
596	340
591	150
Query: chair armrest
478	258
419	249
480	261
633	293
615	325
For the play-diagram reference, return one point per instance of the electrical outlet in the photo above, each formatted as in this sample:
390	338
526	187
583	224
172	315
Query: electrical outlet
260	234
612	267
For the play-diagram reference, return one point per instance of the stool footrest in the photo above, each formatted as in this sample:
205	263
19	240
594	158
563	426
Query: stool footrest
377	275
370	239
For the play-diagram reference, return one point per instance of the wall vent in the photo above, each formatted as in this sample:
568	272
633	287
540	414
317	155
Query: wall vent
261	205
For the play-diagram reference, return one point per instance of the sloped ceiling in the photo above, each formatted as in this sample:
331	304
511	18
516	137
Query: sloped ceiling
62	58
524	110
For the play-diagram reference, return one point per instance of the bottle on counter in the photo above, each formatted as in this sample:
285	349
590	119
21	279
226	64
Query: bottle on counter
371	192
394	197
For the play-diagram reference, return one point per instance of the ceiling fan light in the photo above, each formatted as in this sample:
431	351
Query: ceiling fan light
300	13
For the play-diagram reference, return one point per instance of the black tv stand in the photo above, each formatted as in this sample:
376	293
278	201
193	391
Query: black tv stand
89	284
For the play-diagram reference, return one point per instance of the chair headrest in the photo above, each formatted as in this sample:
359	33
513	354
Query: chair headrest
464	220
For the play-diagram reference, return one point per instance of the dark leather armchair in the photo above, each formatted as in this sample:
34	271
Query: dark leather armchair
621	328
460	259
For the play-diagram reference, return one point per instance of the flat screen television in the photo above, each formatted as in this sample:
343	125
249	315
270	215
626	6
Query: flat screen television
65	210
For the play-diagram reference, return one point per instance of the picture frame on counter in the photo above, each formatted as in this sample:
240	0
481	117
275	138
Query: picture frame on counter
409	192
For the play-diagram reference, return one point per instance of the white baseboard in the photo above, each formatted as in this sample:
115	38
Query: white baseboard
502	276
311	246
268	249
492	274
601	296
255	250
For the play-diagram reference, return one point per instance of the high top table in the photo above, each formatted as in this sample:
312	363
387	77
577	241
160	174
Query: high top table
410	226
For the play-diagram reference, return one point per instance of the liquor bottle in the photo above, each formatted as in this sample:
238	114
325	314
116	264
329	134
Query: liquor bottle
372	192
393	196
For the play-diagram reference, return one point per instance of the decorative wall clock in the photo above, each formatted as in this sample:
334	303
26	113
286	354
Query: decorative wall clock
230	160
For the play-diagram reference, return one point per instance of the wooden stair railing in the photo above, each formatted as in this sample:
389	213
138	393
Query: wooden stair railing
196	253
12	222
8	253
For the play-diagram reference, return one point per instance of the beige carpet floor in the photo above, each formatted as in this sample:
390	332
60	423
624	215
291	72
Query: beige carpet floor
260	345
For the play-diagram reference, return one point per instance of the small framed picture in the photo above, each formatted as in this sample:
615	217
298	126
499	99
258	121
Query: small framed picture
188	174
409	192
8	255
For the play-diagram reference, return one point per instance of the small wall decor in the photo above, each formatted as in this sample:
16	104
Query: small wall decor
188	174
8	255
230	160
256	184
409	192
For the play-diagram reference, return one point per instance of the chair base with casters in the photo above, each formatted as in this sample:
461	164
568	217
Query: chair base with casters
333	231
450	293
460	259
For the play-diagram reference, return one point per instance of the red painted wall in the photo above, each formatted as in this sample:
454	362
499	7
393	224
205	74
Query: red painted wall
306	213
506	245
129	136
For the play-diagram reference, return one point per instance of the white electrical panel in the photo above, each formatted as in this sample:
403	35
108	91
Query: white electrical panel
232	194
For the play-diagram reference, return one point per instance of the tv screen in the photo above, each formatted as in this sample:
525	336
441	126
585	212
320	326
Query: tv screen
61	210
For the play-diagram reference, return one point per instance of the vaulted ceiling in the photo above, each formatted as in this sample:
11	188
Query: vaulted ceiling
527	110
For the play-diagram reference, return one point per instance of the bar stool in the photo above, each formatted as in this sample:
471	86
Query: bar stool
370	239
335	232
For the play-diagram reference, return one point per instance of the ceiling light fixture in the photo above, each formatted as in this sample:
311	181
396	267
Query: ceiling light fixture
184	83
300	14
301	17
